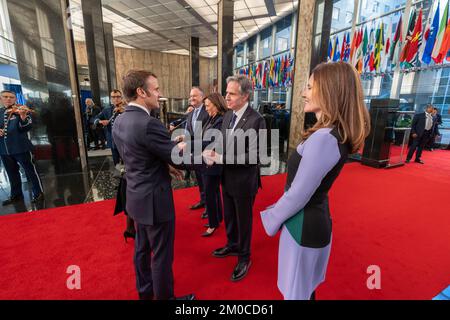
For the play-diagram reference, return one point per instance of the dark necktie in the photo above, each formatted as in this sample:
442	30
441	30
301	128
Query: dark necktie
233	121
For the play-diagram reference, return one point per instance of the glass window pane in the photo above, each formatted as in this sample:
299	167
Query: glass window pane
265	44
239	55
283	34
344	20
370	9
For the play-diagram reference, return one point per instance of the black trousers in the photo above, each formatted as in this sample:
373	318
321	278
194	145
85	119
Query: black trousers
201	187
213	199
418	143
11	163
238	214
153	259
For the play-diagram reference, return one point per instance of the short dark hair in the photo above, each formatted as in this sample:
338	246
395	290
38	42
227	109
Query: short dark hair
8	91
133	80
218	101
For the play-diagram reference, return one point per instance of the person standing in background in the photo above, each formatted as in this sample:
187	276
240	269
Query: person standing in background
421	130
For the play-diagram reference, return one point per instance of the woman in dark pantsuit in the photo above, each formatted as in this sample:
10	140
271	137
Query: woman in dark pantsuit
215	106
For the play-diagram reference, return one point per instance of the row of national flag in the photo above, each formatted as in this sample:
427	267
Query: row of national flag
370	51
274	73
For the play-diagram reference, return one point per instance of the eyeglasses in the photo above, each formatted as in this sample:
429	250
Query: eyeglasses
112	97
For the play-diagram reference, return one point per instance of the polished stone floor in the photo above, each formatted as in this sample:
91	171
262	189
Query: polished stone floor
99	183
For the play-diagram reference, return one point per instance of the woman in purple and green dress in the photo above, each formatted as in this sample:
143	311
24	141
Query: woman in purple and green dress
334	93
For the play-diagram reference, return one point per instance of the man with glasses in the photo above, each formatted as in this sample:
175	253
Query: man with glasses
107	117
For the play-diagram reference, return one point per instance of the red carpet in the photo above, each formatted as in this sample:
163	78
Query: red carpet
398	219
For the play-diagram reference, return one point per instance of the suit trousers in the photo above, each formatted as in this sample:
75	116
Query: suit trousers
213	199
418	143
153	259
201	188
11	163
238	214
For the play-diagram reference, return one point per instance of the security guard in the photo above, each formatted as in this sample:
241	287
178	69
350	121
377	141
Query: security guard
15	148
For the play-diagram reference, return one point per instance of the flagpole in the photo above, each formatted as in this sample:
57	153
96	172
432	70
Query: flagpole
398	76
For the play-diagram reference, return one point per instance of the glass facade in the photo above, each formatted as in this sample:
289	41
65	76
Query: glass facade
408	78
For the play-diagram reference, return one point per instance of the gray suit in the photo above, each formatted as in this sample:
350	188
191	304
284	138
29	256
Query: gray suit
144	145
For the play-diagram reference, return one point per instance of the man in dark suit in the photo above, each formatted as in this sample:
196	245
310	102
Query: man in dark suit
421	130
106	119
145	146
196	119
15	149
241	172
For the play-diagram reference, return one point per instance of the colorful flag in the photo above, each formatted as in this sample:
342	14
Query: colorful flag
430	36
396	44
409	35
379	44
336	53
330	50
385	52
416	40
359	53
435	55
445	43
347	48
344	41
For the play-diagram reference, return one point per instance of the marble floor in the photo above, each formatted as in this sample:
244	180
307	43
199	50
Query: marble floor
98	183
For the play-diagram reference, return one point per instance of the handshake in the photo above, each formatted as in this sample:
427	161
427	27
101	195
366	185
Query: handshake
210	156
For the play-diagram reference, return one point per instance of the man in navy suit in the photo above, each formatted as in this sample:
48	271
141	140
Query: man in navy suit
421	130
145	147
15	149
241	175
196	120
107	117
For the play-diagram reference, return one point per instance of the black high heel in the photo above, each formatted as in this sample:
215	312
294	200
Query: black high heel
208	234
128	234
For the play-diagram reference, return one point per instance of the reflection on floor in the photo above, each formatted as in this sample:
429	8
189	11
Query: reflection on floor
99	183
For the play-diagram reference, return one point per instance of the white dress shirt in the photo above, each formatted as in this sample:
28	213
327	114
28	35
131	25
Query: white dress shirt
428	121
139	106
239	115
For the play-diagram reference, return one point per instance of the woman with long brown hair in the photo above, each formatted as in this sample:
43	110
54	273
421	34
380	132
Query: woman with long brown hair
334	93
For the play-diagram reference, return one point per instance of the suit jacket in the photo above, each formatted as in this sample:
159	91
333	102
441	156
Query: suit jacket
144	145
212	123
107	114
241	180
15	139
418	124
202	116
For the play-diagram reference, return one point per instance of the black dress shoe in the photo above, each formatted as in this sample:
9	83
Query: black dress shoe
12	200
240	271
224	252
204	215
38	198
208	234
145	296
128	234
186	297
419	161
206	225
198	205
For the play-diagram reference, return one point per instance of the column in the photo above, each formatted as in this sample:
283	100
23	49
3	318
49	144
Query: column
194	57
96	50
111	58
305	60
224	43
